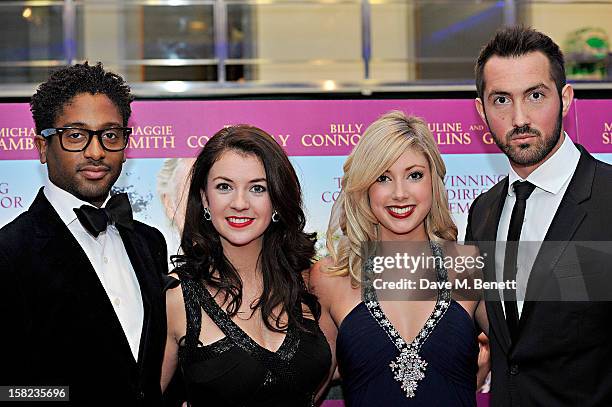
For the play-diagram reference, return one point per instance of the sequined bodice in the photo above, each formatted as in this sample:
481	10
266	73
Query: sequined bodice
236	371
438	367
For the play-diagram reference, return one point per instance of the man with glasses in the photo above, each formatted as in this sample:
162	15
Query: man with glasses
81	299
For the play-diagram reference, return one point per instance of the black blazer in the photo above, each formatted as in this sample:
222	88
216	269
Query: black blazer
58	325
563	353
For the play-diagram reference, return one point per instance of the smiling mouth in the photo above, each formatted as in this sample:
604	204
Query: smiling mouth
239	222
400	212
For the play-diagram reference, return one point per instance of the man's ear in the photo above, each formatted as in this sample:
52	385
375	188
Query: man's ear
41	145
567	96
480	109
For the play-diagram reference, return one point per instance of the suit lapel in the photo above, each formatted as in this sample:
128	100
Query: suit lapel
494	210
141	260
566	221
62	251
65	255
489	235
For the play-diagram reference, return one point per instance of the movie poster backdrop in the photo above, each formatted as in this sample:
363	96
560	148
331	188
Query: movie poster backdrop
317	135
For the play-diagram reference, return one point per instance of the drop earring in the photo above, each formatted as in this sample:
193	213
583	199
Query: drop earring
275	217
207	215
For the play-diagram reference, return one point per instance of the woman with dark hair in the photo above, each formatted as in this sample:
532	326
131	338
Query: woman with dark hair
244	249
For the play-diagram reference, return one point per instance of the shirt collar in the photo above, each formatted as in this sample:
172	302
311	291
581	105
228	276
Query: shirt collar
554	172
64	202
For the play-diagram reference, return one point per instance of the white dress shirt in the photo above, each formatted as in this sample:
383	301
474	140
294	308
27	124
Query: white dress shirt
551	180
110	261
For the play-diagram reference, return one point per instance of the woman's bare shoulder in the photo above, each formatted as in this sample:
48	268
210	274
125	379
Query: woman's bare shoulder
322	280
174	296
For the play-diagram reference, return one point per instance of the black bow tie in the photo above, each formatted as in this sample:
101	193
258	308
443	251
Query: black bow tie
117	210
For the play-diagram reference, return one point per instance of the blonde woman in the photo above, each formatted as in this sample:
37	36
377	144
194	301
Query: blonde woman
422	350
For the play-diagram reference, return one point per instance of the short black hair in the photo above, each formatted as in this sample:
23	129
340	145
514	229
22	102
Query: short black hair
516	41
64	84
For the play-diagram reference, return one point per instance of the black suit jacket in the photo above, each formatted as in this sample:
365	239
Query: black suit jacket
563	353
58	325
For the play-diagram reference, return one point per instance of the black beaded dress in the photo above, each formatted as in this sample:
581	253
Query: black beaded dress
236	371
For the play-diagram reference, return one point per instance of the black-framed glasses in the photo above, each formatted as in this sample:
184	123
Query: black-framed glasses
75	139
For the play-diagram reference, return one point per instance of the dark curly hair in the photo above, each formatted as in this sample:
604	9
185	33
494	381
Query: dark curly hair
64	84
286	250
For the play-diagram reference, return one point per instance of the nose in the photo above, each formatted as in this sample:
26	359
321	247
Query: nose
520	116
240	201
94	150
400	191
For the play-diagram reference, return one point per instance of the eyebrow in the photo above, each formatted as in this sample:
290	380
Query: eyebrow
498	93
103	126
538	86
411	167
231	180
528	90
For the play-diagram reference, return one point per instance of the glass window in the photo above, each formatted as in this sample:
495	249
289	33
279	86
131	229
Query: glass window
31	41
289	42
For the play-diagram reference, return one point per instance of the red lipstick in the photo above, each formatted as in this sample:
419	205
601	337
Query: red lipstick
400	212
239	222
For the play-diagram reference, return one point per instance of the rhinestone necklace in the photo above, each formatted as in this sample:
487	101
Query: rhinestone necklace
409	368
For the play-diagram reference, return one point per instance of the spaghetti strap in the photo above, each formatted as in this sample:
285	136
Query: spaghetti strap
192	312
237	371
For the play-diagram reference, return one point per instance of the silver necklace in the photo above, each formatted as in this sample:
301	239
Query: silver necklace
408	367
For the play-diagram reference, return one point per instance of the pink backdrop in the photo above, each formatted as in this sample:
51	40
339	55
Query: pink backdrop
305	128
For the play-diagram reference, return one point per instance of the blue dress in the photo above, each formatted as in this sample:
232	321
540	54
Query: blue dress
364	353
449	348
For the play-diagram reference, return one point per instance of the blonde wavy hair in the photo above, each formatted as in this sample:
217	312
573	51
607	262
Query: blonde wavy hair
352	221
